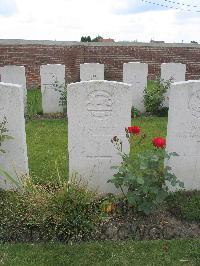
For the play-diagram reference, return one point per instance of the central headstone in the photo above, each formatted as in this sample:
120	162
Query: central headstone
14	161
135	73
174	72
183	133
97	111
91	71
50	97
16	75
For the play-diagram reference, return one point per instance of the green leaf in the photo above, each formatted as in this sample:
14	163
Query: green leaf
161	196
132	198
140	180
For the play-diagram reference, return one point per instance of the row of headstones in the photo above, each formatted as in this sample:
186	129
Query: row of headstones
97	111
134	73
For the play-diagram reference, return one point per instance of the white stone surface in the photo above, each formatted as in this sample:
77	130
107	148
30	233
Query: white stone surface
16	75
174	71
135	73
50	98
12	107
183	133
91	71
97	111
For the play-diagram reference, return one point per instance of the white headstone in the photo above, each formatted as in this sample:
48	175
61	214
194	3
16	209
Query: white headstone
16	75
91	71
50	97
183	133
135	73
97	111
174	72
14	161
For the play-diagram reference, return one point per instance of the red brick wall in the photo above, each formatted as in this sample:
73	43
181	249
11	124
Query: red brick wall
32	54
114	56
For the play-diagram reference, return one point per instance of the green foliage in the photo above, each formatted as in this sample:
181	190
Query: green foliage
62	89
34	102
63	212
47	150
135	112
145	178
154	95
97	38
86	39
185	205
3	134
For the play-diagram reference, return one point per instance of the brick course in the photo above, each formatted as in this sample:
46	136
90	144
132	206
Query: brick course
32	54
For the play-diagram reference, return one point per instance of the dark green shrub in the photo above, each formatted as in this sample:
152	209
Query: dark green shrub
185	204
154	95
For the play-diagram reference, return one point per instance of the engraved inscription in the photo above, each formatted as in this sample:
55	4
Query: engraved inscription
194	104
99	104
189	130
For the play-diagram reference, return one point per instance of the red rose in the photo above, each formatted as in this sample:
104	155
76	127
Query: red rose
159	142
134	130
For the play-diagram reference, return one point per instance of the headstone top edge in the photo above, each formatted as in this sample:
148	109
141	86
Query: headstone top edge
99	82
49	65
5	84
186	82
91	64
135	63
22	66
172	63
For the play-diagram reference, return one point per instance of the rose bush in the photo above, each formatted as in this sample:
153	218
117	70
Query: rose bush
144	179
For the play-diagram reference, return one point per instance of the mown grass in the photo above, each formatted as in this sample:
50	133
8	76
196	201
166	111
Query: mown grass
34	102
47	145
176	252
47	150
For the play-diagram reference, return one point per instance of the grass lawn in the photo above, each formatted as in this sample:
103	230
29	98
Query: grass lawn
47	145
47	141
176	252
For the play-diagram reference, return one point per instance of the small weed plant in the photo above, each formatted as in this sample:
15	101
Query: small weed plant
62	89
3	133
144	179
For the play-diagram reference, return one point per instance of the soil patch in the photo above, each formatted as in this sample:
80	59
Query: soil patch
160	225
